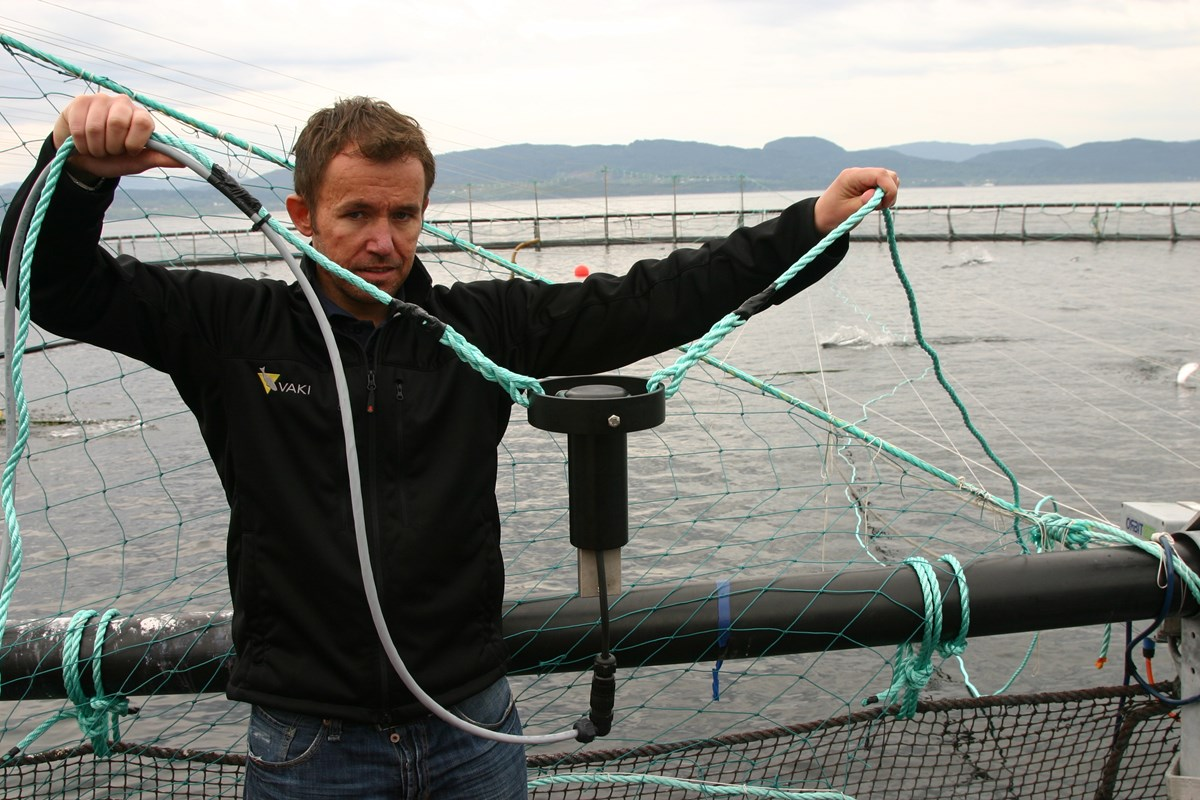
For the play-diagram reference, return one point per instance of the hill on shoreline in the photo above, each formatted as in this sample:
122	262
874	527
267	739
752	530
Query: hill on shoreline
659	166
663	166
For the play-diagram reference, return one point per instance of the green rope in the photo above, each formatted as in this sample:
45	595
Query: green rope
912	669
224	136
1033	643
7	483
958	645
470	247
894	249
16	361
149	102
98	715
713	789
1048	529
1079	536
674	374
517	386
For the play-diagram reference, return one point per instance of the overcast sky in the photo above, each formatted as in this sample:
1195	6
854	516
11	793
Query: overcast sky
480	73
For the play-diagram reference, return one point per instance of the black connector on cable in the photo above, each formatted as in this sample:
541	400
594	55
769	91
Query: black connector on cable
604	693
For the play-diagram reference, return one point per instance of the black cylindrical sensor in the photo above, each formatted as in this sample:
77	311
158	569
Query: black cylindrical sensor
596	413
598	480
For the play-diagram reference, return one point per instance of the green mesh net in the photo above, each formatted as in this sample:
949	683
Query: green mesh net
764	469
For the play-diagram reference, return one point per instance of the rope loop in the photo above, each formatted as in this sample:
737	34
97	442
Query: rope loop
98	715
958	645
913	668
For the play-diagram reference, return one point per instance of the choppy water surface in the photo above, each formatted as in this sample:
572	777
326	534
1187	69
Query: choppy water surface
1065	354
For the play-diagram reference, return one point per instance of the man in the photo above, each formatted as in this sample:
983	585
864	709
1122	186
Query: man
330	718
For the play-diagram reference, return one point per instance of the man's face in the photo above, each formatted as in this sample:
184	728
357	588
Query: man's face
367	218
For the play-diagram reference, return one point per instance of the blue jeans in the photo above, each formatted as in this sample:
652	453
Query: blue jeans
298	757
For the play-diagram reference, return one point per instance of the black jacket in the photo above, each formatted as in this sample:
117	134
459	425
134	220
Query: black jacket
247	358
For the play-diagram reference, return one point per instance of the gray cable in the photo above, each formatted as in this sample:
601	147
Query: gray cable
279	238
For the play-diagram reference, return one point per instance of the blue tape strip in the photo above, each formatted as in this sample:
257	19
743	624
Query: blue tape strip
722	636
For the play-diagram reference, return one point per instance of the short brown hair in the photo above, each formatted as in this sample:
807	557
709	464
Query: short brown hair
377	131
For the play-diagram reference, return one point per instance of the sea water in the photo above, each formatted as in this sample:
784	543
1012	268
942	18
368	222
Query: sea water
1065	353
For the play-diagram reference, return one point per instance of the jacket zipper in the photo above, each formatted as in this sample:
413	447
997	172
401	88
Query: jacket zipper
371	491
371	512
370	509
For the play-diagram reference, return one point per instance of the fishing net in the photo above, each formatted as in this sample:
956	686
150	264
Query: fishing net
789	451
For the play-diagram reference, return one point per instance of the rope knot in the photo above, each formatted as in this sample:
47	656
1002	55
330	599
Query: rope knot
1075	534
97	714
913	668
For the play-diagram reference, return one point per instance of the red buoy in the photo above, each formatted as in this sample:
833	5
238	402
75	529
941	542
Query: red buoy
581	271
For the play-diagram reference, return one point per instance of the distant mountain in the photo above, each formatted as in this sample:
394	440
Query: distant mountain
660	166
953	151
802	162
1128	161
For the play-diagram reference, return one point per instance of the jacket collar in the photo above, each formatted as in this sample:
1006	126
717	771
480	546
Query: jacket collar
416	288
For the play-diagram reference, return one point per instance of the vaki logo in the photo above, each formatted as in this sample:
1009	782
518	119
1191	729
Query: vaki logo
271	383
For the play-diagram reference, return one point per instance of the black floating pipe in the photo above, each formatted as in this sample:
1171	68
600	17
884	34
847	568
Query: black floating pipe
187	653
849	609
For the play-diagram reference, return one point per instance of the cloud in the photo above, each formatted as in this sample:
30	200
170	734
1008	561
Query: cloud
477	73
